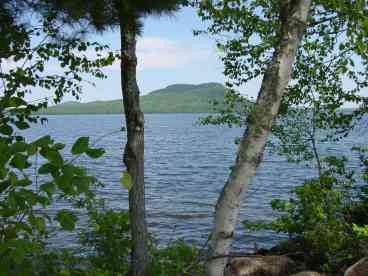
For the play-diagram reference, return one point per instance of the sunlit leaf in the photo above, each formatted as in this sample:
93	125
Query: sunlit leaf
126	181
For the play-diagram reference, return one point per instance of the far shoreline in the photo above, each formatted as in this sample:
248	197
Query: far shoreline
163	112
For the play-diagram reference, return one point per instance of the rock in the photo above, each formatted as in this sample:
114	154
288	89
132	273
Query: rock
261	266
308	273
358	269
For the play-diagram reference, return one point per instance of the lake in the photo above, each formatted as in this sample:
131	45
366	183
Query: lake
186	167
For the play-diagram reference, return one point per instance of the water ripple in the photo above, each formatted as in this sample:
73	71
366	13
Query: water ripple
186	168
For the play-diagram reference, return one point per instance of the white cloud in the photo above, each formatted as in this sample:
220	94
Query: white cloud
154	53
162	53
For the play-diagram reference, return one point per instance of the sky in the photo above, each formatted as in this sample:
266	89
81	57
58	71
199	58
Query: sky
167	52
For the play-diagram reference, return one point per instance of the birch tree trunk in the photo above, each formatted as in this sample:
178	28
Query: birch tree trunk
293	16
134	151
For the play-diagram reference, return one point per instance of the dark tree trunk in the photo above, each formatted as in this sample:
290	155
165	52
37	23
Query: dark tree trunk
134	150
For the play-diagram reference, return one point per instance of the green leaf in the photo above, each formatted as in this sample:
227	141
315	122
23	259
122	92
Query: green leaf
38	222
16	101
47	168
44	201
53	156
95	153
83	183
32	149
66	219
80	146
6	129
19	146
4	213
59	146
24	182
3	186
64	184
126	181
43	141
20	162
48	188
13	178
22	125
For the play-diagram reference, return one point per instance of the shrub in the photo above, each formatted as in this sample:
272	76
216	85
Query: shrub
319	218
177	258
34	174
109	240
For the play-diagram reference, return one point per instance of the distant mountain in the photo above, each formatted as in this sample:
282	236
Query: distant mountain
174	98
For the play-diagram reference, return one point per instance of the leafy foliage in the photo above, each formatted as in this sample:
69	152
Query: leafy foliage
33	174
177	258
331	55
25	195
325	213
103	14
109	239
251	31
233	111
323	218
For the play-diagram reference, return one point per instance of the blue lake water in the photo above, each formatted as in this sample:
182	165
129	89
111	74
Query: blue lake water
186	167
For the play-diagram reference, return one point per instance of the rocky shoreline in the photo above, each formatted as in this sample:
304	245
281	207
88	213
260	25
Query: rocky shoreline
273	265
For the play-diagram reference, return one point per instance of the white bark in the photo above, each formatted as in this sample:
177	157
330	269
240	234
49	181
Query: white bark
293	21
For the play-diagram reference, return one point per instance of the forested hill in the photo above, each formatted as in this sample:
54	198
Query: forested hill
174	98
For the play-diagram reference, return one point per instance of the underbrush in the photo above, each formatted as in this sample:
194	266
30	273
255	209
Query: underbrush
325	218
